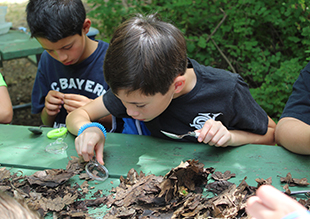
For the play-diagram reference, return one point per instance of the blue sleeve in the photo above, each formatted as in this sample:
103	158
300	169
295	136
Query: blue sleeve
248	114
298	104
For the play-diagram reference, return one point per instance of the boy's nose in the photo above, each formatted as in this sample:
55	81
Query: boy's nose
61	56
131	112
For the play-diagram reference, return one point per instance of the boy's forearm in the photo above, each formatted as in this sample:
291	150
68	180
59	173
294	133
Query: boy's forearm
294	135
243	137
92	111
76	119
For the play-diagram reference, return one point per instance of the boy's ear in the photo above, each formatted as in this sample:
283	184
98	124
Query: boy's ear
179	83
86	25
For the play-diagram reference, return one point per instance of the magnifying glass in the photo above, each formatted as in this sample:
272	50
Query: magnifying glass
96	171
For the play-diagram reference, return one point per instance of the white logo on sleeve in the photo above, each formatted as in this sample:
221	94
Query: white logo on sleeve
200	120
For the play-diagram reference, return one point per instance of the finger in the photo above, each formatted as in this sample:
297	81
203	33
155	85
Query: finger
203	132
55	95
255	208
265	192
73	97
81	147
99	153
70	108
211	137
77	102
52	107
224	139
279	200
222	142
77	98
53	100
214	140
77	146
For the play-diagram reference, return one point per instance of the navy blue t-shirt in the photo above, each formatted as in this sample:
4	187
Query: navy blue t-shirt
218	94
85	78
298	104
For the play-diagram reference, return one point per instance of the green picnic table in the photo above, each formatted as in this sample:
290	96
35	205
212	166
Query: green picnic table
18	44
21	149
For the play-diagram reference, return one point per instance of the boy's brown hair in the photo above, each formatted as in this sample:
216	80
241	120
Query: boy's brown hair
145	54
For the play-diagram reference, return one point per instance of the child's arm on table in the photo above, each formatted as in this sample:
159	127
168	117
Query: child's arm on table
215	133
294	135
91	139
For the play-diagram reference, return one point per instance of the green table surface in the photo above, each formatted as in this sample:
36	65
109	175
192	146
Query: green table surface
18	44
21	149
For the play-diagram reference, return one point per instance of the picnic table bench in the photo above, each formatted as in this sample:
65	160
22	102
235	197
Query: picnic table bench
18	44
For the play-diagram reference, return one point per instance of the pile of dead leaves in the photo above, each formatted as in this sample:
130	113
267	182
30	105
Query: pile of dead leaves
49	191
179	194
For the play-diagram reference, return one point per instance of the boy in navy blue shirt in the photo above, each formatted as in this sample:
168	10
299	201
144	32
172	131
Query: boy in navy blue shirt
70	72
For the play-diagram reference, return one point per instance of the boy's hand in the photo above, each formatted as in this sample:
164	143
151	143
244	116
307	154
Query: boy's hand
214	133
53	102
74	101
92	139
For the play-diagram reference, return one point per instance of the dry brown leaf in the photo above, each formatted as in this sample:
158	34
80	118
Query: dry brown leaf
50	178
262	181
222	176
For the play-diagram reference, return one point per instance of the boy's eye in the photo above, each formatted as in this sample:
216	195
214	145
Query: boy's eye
68	47
140	106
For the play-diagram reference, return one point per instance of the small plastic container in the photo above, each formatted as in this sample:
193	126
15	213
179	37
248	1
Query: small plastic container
57	147
3	10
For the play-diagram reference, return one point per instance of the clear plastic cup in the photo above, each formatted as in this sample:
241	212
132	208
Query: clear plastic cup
57	147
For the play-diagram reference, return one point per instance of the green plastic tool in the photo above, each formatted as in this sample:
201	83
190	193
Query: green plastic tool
55	133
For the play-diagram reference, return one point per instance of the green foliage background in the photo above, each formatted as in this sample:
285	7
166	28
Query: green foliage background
266	42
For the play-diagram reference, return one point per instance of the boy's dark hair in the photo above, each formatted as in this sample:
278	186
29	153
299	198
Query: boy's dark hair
55	19
145	54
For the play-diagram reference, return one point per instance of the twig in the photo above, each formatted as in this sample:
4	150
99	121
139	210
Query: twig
218	25
218	48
